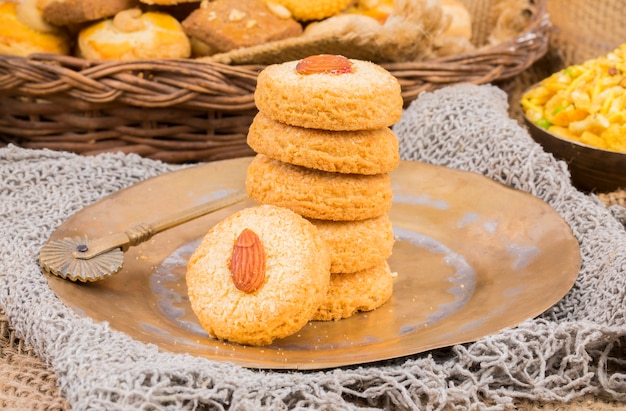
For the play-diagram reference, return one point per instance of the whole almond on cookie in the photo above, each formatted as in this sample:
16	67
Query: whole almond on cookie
247	264
324	63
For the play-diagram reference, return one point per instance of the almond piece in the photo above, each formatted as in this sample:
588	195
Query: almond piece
247	263
324	63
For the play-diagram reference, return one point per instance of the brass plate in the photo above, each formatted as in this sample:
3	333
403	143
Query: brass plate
472	257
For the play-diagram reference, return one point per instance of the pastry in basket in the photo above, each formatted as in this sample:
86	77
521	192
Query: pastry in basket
318	194
258	275
357	152
379	10
309	10
73	12
349	293
134	35
456	39
357	245
329	92
168	2
30	12
224	25
342	24
22	32
408	34
509	18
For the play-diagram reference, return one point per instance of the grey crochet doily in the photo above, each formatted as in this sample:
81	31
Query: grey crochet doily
574	348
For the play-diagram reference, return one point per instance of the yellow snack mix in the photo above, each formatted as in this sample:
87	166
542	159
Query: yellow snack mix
585	103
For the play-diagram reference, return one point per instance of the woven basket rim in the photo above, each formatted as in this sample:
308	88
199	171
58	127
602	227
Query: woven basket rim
187	110
485	64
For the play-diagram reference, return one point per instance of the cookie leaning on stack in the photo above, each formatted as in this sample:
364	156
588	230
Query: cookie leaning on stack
325	150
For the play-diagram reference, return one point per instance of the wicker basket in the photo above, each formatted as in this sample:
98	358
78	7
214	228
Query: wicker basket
181	111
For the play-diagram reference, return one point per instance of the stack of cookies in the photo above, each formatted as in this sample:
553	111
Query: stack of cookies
325	150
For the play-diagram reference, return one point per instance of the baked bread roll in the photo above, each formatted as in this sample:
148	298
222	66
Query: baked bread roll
289	289
133	35
353	152
21	37
73	12
225	25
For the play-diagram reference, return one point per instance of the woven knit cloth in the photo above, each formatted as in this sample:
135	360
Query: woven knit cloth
574	348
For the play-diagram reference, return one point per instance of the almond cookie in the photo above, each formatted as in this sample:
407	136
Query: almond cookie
318	194
357	245
349	293
329	92
357	152
258	275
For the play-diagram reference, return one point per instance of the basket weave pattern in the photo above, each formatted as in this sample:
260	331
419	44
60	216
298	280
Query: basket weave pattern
182	111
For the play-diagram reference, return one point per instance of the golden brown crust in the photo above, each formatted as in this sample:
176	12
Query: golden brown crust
350	293
356	152
70	12
18	38
318	194
367	98
357	245
296	277
225	25
168	2
133	35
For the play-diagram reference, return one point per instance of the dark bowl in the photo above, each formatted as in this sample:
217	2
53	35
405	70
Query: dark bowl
592	169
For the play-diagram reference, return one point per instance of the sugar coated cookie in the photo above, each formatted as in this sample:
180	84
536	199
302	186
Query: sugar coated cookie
318	194
329	92
357	245
357	152
279	299
349	293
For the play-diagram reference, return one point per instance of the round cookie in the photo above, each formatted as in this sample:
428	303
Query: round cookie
366	98
295	283
318	194
357	245
134	35
358	152
349	293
